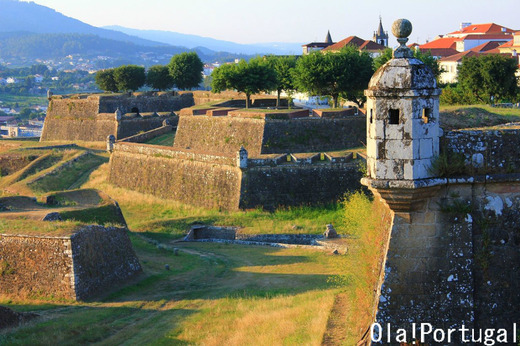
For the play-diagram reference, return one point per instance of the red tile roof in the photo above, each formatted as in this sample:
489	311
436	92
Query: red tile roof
482	29
444	42
507	44
485	47
504	37
441	52
460	56
356	41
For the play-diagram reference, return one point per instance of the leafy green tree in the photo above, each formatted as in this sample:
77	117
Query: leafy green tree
248	77
186	70
284	68
158	77
129	77
345	74
489	78
383	58
106	81
425	57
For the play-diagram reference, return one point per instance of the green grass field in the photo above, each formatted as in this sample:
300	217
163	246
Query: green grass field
23	101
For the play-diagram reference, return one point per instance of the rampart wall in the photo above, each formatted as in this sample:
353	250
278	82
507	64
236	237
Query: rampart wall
266	136
458	261
71	267
200	181
215	181
92	117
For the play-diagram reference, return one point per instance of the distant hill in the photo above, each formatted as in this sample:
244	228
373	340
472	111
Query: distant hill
48	46
17	16
25	45
192	41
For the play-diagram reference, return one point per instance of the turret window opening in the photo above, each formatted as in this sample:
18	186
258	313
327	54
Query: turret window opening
393	116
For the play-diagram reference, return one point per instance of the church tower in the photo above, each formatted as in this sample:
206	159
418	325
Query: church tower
381	36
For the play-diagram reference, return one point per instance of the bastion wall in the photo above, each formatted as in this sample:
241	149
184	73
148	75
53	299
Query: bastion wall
92	117
88	262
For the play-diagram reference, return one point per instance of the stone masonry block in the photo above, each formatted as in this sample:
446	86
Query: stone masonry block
399	149
425	148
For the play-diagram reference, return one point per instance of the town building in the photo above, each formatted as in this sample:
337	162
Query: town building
316	46
381	36
373	48
469	36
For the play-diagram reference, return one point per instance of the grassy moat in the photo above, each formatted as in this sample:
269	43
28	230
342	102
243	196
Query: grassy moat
212	293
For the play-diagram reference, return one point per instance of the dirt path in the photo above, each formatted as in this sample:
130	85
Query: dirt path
336	331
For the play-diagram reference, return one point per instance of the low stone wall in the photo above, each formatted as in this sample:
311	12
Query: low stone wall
334	113
266	136
36	266
103	257
73	267
492	151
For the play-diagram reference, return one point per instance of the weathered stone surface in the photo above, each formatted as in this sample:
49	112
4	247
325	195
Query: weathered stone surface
330	232
214	181
91	117
52	217
74	267
267	136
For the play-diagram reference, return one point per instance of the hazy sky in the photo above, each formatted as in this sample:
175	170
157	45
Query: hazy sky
247	21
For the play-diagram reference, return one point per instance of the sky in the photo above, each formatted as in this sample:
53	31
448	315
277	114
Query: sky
302	21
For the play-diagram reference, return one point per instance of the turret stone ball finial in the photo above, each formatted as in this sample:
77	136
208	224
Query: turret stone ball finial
402	28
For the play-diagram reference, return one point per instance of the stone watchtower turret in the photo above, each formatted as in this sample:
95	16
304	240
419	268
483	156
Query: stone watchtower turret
402	127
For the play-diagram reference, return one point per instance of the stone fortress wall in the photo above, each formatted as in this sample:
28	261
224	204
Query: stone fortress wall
92	117
88	262
216	181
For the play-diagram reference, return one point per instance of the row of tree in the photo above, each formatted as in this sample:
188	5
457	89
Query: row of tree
344	74
184	71
341	75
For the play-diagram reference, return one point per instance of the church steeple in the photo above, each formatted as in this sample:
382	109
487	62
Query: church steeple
328	39
381	36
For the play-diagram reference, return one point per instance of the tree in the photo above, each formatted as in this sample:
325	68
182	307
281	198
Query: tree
129	77
284	68
158	77
186	70
489	78
248	77
345	73
425	57
106	81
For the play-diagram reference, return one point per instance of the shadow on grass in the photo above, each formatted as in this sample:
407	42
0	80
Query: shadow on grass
91	324
214	271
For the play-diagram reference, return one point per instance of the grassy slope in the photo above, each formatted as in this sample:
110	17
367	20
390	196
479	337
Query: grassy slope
165	140
463	117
